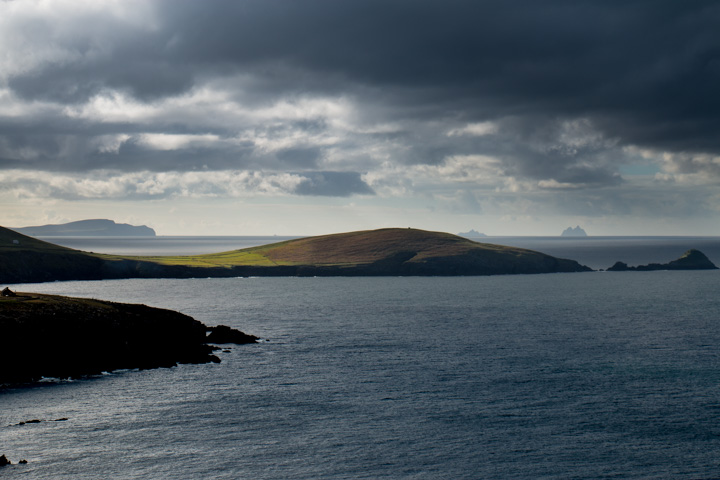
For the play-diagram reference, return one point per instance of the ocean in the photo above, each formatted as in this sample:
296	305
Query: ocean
581	375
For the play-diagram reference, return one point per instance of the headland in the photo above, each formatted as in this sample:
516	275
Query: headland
63	337
383	252
691	260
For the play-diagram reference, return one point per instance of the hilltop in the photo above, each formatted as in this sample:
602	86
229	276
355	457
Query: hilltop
95	228
390	251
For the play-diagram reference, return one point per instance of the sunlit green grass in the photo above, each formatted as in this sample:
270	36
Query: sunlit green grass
337	250
223	259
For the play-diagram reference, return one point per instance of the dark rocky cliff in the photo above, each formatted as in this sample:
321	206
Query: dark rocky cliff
54	336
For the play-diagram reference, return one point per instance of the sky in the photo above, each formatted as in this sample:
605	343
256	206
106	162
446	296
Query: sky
305	117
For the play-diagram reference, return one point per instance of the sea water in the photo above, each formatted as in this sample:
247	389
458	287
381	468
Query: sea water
162	245
584	375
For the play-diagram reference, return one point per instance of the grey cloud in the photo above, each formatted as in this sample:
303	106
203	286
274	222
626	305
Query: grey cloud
333	184
300	157
640	72
75	153
567	56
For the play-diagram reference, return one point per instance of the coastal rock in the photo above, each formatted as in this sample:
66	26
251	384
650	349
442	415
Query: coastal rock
80	337
691	260
225	334
4	461
618	267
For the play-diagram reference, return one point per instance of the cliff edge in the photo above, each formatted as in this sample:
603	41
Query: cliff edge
63	337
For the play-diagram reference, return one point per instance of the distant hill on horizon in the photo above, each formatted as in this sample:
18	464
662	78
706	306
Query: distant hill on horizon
89	228
472	234
574	232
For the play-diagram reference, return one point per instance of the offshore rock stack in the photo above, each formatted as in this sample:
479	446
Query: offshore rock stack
4	462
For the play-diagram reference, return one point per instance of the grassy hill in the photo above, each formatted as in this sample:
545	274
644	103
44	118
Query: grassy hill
416	251
390	251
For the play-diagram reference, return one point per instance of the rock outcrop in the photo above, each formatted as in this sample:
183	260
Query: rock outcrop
691	260
61	337
224	334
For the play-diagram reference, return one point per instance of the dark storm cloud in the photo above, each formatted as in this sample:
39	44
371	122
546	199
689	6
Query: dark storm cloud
646	70
643	73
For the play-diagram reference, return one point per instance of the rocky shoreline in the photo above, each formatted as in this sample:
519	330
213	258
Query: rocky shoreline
63	337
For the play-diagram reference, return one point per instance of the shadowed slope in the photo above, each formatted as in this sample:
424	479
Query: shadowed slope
27	259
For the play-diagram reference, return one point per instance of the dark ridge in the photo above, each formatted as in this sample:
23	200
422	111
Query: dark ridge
691	260
95	228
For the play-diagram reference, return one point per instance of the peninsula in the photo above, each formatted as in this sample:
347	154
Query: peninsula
384	252
88	228
690	260
63	337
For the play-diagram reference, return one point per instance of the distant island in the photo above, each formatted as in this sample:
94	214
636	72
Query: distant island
690	260
383	252
574	232
472	234
63	337
94	228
